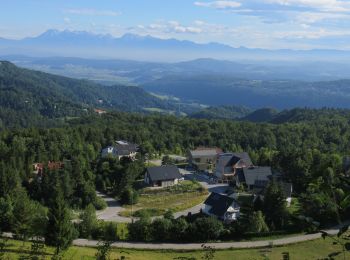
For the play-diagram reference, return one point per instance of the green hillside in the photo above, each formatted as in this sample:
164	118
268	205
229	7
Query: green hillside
32	98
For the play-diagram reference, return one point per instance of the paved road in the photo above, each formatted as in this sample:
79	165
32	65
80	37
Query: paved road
111	213
197	246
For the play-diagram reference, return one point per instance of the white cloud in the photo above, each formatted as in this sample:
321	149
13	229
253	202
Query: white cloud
92	12
311	34
67	20
315	17
324	5
219	4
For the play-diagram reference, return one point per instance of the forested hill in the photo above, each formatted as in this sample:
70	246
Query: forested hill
32	98
222	112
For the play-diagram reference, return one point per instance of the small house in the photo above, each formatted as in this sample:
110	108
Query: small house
120	149
203	158
256	180
221	206
162	176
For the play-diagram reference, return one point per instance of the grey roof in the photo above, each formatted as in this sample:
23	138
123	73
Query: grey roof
163	173
219	203
227	160
120	148
241	156
287	189
257	176
125	149
204	152
240	175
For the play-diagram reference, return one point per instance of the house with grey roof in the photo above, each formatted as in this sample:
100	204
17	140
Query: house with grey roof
229	163
221	206
256	179
203	158
162	176
120	149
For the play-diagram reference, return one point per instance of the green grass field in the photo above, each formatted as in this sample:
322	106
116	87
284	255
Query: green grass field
317	249
177	198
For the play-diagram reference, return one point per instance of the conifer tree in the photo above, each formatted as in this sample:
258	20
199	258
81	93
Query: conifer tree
60	230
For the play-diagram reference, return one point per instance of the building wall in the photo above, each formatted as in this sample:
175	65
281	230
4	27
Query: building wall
169	183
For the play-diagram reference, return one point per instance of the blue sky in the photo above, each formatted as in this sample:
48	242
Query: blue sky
272	24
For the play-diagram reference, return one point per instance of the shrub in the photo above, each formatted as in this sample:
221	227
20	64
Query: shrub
206	229
100	204
129	197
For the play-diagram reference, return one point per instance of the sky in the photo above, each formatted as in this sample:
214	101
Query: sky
269	24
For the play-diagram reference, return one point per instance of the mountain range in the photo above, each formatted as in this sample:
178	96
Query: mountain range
148	48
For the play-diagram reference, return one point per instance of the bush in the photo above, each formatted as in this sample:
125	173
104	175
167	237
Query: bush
129	197
100	204
147	212
140	230
106	231
161	229
206	228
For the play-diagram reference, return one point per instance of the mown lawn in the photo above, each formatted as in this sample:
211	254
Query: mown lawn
317	249
177	198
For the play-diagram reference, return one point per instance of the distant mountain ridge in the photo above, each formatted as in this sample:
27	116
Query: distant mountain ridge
131	46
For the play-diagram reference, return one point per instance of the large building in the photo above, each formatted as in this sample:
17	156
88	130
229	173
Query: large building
162	176
120	149
204	158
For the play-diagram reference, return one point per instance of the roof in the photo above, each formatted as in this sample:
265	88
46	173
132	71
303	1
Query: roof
163	173
287	189
205	151
227	160
257	176
240	175
55	165
125	148
241	156
121	148
219	203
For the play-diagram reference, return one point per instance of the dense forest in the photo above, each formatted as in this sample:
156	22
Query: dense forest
307	146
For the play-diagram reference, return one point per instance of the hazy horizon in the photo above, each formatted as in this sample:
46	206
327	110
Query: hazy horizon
265	24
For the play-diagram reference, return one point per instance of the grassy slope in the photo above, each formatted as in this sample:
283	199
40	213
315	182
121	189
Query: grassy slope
317	249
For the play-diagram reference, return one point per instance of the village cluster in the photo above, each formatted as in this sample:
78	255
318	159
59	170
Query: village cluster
245	181
217	167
